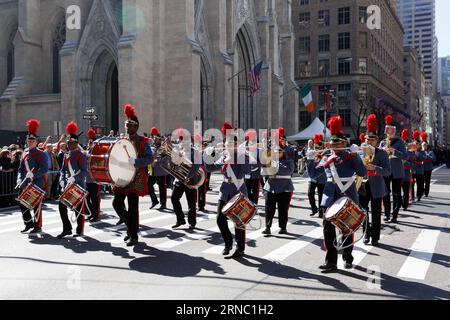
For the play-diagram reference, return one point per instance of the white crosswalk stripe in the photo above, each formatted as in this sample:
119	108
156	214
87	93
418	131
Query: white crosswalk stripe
417	264
360	251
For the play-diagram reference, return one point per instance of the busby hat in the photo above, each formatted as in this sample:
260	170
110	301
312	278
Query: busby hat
318	140
33	126
155	132
130	113
416	136
372	127
335	125
405	135
424	137
91	134
390	129
72	129
362	137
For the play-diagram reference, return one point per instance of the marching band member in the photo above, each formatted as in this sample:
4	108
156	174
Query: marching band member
317	176
32	169
180	188
279	188
74	171
340	167
406	186
138	187
397	154
157	175
253	179
377	169
203	189
234	174
417	169
93	198
430	158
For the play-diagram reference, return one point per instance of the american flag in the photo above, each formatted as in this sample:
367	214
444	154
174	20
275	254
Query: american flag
254	77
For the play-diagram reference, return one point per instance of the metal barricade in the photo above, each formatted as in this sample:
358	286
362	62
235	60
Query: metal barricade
8	181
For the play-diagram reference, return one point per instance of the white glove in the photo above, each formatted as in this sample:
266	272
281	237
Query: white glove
354	148
132	161
71	180
61	184
29	175
310	155
275	164
209	151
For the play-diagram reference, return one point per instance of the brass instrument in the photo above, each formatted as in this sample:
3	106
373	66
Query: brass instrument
181	171
368	160
266	162
387	146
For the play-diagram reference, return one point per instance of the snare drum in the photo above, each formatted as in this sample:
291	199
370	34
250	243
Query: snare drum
31	196
345	215
108	162
240	210
73	197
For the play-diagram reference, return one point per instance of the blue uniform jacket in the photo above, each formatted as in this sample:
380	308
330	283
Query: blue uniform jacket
417	167
428	162
316	173
408	166
158	171
78	161
228	189
37	161
400	154
346	165
382	169
280	183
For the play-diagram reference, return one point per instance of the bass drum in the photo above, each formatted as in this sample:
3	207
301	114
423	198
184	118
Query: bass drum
108	162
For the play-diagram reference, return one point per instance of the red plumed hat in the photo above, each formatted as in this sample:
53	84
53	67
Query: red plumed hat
416	135
91	134
72	129
335	125
424	137
389	120
372	126
282	132
130	113
362	137
33	127
226	127
155	132
405	135
318	139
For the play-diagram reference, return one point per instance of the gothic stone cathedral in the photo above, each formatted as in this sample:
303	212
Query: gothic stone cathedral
173	59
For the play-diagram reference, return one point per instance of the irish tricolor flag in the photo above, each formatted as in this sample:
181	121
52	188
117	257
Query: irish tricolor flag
306	95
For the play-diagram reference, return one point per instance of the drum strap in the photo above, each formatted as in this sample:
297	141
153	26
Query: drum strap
338	180
237	183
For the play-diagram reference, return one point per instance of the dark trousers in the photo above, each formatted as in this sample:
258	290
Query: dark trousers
418	180
283	200
208	179
67	225
372	225
406	188
56	187
32	221
162	185
312	195
222	223
130	216
427	182
329	233
93	200
253	187
191	195
202	196
396	195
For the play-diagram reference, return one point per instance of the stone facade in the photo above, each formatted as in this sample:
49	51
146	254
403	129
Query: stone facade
174	59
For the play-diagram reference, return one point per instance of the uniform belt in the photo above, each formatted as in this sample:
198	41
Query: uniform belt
343	180
280	177
427	161
230	180
418	162
372	174
407	168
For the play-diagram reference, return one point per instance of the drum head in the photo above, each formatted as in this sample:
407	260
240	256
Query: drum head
336	208
232	202
121	171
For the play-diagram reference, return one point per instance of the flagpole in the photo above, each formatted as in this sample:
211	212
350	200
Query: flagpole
290	90
235	75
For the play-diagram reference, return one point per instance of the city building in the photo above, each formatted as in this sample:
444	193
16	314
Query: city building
444	91
176	61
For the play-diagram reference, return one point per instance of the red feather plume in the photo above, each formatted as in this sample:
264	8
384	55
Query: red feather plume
91	134
33	126
72	128
318	138
155	132
362	137
416	135
424	136
281	132
405	135
226	127
335	125
372	123
389	120
130	111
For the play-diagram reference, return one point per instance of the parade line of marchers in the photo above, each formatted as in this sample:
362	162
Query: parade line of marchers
346	178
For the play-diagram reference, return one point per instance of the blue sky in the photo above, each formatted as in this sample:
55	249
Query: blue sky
443	26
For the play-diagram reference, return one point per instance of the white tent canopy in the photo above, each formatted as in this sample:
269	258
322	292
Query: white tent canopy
316	127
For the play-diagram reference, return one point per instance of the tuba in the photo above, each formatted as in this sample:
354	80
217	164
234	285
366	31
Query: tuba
368	159
181	171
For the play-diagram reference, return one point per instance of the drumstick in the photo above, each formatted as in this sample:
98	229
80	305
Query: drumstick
126	150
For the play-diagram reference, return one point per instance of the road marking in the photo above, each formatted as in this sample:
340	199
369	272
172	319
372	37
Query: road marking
417	264
437	169
200	235
294	246
360	251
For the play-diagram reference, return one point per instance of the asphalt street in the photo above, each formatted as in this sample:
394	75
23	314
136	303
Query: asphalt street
412	261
